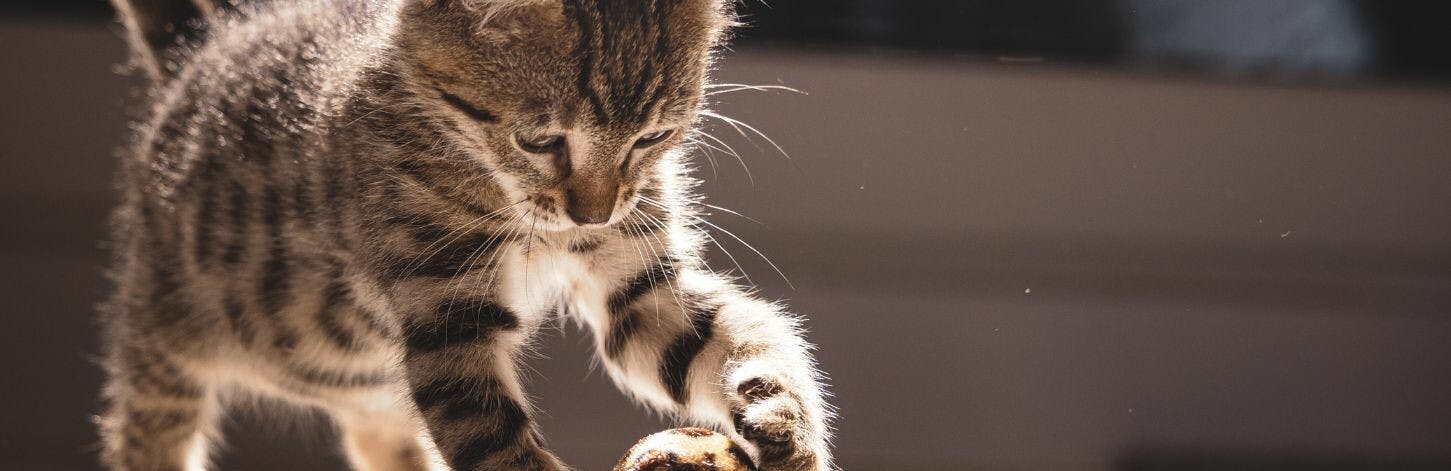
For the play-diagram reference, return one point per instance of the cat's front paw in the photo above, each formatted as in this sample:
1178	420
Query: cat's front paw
775	421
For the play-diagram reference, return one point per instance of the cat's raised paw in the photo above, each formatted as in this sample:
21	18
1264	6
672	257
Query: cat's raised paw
775	425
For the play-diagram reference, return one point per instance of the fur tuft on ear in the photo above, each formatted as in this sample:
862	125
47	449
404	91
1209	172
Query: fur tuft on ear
725	20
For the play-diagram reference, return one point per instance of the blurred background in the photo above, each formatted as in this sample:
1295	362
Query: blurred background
1029	234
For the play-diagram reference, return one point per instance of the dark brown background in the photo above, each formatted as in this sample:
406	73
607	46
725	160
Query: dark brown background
1006	266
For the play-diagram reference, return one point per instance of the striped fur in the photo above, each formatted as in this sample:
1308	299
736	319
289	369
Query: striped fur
341	204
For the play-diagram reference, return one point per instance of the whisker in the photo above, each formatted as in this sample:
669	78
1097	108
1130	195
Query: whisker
748	246
511	231
733	236
456	235
529	252
626	226
706	150
738	124
498	254
732	151
712	240
660	225
736	87
730	211
674	293
456	285
374	110
634	234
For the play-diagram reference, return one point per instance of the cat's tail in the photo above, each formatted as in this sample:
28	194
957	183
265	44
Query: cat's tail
156	29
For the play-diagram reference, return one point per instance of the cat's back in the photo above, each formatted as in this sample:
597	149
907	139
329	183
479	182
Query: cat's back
310	47
228	181
265	82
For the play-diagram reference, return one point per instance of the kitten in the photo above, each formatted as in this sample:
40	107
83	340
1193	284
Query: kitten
369	207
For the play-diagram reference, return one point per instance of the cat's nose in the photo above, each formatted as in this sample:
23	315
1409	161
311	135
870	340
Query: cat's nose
586	218
586	209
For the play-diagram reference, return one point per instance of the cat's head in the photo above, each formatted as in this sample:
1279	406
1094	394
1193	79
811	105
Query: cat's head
567	106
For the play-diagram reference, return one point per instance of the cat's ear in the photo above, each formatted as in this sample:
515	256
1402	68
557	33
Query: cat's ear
722	19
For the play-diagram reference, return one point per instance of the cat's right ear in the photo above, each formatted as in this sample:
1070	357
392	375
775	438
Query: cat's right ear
723	20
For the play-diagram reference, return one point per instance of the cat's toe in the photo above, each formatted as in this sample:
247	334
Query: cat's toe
776	427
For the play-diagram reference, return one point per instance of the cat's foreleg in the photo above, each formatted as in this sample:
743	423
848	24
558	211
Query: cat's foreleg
160	416
380	436
460	359
693	343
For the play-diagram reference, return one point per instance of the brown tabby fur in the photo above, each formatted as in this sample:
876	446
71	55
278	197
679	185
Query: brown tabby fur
336	203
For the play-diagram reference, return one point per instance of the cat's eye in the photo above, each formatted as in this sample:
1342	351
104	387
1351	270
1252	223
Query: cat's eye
653	138
541	144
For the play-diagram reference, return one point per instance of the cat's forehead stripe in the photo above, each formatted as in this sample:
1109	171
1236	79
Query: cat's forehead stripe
621	48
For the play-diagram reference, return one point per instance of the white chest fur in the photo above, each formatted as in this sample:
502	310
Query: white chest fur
538	280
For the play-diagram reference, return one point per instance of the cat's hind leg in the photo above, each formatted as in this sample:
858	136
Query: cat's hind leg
159	418
383	435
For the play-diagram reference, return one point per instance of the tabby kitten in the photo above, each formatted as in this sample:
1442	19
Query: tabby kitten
369	207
